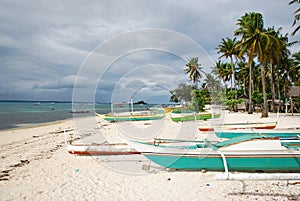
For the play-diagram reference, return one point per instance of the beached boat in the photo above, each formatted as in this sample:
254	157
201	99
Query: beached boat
101	149
190	116
234	126
281	133
98	149
245	153
169	109
121	148
132	116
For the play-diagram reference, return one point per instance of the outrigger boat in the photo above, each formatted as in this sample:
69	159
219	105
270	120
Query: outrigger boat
234	126
99	149
121	148
281	133
133	116
245	153
190	116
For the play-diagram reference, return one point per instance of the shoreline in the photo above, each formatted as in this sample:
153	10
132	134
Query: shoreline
32	125
35	165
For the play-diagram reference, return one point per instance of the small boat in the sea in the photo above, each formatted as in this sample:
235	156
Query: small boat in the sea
80	111
249	153
234	126
281	133
178	116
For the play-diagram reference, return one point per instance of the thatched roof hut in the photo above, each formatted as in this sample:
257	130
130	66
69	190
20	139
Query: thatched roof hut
294	91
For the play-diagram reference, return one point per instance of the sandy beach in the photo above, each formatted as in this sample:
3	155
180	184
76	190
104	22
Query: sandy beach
35	165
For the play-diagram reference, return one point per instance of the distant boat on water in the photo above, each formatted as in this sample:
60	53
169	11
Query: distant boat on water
80	111
152	113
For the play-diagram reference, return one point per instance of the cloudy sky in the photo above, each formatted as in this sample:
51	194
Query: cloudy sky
49	49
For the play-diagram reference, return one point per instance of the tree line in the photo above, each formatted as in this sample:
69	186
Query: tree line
257	64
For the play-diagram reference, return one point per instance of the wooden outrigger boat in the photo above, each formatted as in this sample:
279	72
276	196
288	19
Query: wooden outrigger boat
169	109
190	116
234	126
137	116
281	133
101	149
245	153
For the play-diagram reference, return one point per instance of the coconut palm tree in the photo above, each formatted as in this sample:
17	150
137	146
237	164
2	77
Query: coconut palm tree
194	70
256	41
223	71
242	75
228	50
295	69
276	55
297	16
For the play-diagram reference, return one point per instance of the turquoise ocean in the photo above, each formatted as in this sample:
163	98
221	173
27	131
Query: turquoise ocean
14	114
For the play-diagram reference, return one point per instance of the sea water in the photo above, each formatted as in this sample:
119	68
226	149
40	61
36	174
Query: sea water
15	114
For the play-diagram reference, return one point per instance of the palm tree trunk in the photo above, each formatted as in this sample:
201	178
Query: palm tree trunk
244	86
234	82
250	109
272	88
278	91
263	80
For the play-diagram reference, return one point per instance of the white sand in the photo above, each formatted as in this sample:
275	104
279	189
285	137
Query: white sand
36	166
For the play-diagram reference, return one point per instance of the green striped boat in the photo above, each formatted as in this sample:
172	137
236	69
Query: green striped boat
281	133
191	116
133	117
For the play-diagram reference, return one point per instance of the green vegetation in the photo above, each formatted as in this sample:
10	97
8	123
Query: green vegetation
256	64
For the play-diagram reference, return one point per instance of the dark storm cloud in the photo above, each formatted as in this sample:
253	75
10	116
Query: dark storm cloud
44	43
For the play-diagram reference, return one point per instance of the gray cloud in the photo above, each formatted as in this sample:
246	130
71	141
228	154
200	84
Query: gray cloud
43	44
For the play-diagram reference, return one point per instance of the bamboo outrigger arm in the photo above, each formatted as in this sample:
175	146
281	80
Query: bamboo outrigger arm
254	176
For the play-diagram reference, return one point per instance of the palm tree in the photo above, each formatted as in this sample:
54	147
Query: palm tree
211	82
276	55
228	50
243	75
295	69
194	70
256	41
223	71
297	16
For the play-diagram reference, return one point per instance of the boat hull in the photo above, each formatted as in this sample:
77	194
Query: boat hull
246	153
266	133
132	117
258	125
214	162
105	149
191	117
